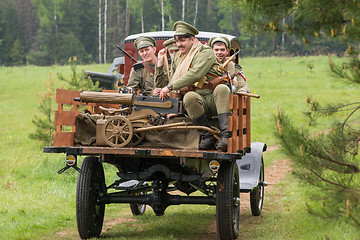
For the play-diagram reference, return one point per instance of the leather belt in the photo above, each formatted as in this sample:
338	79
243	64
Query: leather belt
194	88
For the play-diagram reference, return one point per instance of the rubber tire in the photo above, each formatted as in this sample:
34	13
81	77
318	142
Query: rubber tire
228	201
257	194
138	209
89	213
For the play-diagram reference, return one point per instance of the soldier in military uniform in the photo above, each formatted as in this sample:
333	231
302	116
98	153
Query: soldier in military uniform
170	45
192	68
142	74
220	46
162	73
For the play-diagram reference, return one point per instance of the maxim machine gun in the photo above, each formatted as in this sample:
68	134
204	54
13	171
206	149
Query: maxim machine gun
127	125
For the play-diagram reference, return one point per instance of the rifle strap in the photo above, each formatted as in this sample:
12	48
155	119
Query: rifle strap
148	67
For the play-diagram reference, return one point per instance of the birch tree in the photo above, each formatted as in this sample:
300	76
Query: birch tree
105	29
162	16
100	22
183	10
196	11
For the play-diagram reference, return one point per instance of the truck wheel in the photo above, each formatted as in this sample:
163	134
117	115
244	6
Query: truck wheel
257	193
90	185
136	208
228	200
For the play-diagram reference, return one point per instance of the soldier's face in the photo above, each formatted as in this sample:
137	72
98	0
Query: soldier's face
147	54
172	52
220	51
184	44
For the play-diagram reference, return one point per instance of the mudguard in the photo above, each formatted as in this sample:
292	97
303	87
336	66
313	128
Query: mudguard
249	167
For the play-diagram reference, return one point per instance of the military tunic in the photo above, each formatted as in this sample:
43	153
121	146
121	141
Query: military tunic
161	78
197	103
141	78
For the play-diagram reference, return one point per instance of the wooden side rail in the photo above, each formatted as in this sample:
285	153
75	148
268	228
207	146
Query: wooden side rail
239	124
66	115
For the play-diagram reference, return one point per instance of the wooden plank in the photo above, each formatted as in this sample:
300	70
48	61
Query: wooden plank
66	96
65	118
63	139
248	123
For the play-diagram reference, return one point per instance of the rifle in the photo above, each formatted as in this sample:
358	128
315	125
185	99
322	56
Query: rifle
230	58
134	60
128	55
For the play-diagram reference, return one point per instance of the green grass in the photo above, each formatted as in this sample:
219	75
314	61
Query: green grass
38	203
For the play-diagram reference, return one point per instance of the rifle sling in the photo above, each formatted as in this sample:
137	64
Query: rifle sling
148	67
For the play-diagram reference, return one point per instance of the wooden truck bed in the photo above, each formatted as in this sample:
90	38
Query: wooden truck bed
68	109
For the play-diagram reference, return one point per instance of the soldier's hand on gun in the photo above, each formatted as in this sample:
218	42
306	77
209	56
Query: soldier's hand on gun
156	91
163	93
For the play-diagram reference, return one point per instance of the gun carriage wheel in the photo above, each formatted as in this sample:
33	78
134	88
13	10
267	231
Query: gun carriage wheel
137	136
90	187
118	131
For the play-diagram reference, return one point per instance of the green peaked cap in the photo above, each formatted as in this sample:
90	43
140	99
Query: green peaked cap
182	28
222	39
144	41
170	44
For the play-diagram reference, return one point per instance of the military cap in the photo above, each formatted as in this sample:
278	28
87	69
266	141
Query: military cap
170	44
144	41
182	28
222	39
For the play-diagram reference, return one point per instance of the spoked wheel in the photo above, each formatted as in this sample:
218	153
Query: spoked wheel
257	193
138	209
137	136
90	186
228	200
118	131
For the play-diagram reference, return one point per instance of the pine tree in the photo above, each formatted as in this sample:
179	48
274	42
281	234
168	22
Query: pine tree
44	123
329	160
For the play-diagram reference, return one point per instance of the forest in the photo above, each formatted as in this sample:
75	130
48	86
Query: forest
49	32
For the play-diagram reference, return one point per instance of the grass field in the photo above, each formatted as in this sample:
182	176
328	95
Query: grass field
38	203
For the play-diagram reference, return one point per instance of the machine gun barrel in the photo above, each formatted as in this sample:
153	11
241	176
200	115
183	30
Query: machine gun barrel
107	97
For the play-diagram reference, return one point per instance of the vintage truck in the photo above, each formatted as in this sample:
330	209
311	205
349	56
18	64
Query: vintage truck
120	127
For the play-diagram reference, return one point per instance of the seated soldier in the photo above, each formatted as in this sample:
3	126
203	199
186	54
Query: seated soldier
162	81
193	67
220	46
141	79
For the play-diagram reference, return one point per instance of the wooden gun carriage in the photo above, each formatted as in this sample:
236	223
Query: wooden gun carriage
148	175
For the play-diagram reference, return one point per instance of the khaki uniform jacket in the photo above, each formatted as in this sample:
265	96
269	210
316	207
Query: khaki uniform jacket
141	78
236	71
161	78
204	63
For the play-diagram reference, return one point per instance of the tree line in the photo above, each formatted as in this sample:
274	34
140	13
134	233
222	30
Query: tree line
47	32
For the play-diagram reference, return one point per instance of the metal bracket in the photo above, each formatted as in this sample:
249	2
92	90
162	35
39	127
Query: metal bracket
70	163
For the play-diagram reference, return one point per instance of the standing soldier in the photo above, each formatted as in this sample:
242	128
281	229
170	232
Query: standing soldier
220	46
192	68
142	74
